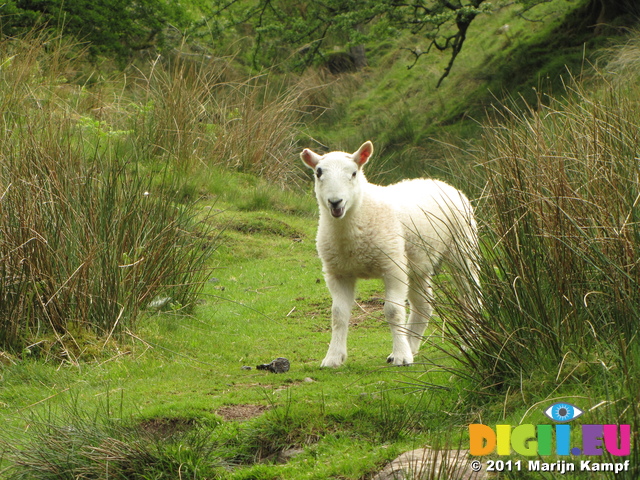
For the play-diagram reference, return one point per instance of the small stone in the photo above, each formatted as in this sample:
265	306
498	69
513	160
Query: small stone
279	365
245	367
286	455
425	463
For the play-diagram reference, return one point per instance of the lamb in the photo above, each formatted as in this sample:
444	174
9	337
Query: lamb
399	233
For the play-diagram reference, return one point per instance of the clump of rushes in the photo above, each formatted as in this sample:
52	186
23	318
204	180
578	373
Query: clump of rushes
561	238
197	114
94	221
86	243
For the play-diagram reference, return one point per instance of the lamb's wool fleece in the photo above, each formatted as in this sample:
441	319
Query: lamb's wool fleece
408	223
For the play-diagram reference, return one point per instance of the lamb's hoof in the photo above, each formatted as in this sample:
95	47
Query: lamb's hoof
329	364
391	359
333	362
279	365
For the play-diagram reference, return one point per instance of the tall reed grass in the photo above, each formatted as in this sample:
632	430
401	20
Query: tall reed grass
85	241
559	197
558	203
196	114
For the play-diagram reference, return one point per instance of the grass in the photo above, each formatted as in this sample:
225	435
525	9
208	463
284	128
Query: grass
561	198
188	367
86	170
99	181
559	236
88	442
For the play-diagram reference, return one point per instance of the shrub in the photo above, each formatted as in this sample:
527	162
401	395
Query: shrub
197	114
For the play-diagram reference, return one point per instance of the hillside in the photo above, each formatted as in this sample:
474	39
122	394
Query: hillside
407	117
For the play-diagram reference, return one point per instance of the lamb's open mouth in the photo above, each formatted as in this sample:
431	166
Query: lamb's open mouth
337	212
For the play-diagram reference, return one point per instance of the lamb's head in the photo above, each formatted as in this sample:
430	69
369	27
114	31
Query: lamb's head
338	178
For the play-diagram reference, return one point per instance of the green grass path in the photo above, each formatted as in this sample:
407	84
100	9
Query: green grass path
266	299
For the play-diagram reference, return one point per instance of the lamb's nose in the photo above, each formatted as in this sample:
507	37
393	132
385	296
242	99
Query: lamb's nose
337	208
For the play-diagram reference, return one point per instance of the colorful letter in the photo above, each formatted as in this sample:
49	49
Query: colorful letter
523	440
544	440
482	439
592	439
563	439
503	432
611	439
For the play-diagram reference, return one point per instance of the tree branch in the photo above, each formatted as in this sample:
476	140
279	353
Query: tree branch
458	41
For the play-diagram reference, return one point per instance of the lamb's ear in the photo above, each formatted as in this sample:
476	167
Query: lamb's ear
310	158
364	152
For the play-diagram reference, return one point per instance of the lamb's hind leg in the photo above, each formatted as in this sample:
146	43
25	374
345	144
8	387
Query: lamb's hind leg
396	316
420	298
343	295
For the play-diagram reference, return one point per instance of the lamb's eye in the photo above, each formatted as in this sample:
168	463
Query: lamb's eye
353	175
319	172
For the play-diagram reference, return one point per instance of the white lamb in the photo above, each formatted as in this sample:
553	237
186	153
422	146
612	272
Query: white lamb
399	233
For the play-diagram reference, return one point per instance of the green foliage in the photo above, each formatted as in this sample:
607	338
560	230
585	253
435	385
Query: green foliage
112	27
98	206
412	123
86	240
71	441
299	33
186	369
98	211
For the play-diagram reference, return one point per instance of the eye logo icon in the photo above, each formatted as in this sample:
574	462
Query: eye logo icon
563	412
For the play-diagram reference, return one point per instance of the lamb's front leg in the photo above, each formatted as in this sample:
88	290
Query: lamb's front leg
343	295
396	316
